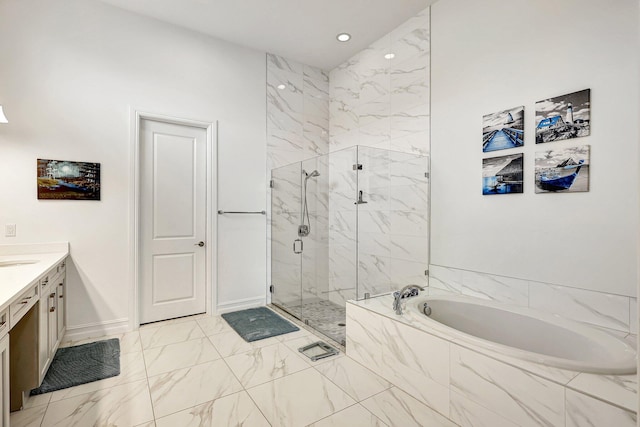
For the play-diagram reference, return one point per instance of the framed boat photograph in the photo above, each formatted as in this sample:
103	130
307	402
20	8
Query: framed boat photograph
563	117
503	130
502	175
68	180
564	170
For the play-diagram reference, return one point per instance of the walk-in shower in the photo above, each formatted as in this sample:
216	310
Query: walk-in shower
356	226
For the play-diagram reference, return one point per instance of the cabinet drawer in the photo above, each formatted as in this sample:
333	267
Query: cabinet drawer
4	322
60	268
24	302
46	280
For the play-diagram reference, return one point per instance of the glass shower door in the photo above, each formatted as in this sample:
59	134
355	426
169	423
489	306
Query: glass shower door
393	225
286	246
329	257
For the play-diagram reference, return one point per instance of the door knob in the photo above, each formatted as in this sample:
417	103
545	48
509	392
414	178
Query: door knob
201	244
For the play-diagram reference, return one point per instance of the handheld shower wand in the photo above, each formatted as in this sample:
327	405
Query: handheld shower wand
305	229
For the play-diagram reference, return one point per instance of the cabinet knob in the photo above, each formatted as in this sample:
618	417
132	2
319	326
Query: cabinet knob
61	295
52	309
53	295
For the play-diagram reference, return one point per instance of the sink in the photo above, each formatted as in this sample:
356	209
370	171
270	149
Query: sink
16	263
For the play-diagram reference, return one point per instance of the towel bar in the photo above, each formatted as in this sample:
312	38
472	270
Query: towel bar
242	212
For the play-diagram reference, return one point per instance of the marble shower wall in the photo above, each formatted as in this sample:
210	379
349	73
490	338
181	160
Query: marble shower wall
297	129
373	101
297	112
393	224
379	100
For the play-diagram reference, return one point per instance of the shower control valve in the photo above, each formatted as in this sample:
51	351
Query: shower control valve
303	230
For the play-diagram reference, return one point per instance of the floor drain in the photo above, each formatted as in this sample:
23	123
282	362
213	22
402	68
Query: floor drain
318	350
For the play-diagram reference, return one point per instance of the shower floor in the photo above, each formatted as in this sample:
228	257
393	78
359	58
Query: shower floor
324	316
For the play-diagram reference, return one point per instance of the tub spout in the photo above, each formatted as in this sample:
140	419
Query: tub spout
407	291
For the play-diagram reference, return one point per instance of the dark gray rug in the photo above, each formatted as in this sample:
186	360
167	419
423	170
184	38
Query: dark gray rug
259	323
81	364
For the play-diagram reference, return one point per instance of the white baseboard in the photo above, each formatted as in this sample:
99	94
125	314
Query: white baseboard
240	304
97	329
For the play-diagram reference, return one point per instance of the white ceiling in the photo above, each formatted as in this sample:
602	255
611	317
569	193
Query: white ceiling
302	30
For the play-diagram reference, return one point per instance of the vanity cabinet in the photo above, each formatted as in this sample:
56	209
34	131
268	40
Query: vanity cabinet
32	318
4	369
52	323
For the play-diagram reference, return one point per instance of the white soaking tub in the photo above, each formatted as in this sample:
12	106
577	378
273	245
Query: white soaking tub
527	334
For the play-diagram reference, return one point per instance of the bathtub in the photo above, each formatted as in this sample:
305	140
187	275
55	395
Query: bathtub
526	334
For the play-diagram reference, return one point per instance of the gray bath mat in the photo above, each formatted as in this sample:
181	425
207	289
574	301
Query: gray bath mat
259	323
81	364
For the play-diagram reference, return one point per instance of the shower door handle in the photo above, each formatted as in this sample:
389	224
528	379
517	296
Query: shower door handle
296	245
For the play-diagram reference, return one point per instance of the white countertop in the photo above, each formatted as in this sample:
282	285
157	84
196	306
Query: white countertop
16	279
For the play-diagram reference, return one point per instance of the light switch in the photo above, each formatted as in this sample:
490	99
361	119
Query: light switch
10	230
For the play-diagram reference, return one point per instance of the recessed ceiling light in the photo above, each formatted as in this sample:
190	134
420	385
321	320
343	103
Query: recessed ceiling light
390	56
281	86
343	37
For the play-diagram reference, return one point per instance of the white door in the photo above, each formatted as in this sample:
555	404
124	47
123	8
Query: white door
172	220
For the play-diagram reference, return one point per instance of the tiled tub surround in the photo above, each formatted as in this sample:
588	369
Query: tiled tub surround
477	387
609	311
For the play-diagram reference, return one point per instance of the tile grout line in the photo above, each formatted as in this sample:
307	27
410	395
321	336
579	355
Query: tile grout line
237	379
146	373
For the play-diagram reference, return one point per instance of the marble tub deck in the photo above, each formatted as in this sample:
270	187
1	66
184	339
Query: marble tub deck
197	371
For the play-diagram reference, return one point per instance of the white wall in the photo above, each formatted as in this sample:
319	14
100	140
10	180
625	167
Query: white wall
69	71
496	54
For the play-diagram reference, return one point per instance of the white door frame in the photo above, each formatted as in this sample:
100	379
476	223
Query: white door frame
136	116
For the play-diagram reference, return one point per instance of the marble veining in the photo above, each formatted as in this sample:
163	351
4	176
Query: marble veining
611	311
320	398
265	364
28	417
180	355
517	395
177	390
467	413
127	404
396	407
234	410
614	312
621	389
170	334
401	363
353	416
357	381
584	411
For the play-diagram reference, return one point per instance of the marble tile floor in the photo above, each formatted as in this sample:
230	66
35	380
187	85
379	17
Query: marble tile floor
197	371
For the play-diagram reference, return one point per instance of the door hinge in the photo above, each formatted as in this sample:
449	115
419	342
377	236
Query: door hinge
426	272
271	184
357	167
426	174
271	289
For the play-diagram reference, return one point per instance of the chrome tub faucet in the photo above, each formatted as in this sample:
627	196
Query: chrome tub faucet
406	292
